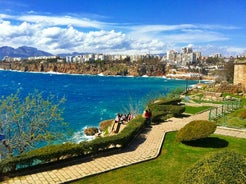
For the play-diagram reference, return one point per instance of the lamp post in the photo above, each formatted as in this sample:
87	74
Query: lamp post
186	85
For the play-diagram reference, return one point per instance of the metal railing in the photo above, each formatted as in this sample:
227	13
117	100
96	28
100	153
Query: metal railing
221	111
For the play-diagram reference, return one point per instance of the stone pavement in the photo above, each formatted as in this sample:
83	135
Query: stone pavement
145	147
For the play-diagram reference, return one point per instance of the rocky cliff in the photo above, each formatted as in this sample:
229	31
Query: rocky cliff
124	68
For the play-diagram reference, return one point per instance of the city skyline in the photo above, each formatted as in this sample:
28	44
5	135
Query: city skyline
124	27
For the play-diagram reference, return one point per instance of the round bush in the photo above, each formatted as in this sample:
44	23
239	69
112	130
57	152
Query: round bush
196	130
220	167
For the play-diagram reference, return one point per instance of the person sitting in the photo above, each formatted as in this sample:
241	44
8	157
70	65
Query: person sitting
117	118
147	116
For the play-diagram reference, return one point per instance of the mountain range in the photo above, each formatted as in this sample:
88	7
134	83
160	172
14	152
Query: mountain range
23	52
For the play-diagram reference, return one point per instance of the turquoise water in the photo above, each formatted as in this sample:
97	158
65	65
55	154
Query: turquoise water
90	99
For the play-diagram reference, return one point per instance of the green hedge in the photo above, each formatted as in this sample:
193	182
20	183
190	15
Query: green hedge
196	129
165	108
167	101
52	153
221	167
161	109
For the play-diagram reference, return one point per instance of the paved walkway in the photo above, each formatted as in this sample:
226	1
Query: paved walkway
145	147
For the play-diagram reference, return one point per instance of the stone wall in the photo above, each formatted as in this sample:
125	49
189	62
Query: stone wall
240	74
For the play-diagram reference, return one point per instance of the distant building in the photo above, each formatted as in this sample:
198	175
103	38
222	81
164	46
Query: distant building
172	55
11	59
136	57
186	50
69	59
100	57
198	55
188	58
217	55
42	57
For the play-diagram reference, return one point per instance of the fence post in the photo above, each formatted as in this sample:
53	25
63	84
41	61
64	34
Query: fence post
239	103
224	119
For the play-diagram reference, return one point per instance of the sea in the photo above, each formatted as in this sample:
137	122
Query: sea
91	99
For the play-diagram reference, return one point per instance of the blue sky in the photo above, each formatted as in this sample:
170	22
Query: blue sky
125	26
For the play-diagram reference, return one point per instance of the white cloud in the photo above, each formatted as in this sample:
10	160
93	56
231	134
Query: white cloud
184	33
54	20
234	50
224	50
5	16
59	34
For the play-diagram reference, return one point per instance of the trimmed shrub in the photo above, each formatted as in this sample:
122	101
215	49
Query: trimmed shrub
164	108
220	167
196	130
167	101
176	111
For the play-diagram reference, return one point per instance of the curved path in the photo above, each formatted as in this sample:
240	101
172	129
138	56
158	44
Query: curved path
145	147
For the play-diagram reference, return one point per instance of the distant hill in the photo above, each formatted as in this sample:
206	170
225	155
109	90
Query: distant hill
23	52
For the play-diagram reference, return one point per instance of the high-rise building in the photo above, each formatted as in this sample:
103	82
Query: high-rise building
186	50
172	55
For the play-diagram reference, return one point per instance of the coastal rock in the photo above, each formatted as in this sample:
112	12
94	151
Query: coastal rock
91	131
106	124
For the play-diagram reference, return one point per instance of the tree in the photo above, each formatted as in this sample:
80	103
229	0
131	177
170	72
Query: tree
27	122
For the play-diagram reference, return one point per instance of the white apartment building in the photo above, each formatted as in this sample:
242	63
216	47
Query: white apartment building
186	50
187	56
172	55
43	57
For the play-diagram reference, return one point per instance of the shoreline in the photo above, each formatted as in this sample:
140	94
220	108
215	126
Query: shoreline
173	77
78	133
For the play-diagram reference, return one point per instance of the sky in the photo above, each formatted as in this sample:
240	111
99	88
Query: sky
125	26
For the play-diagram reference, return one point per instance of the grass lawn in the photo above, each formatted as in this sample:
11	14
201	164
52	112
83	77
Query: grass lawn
194	110
174	159
243	100
233	120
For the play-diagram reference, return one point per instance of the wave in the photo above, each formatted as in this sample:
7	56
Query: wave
207	81
145	76
80	136
100	74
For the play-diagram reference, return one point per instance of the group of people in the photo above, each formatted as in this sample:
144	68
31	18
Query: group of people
123	118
